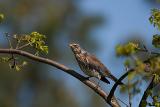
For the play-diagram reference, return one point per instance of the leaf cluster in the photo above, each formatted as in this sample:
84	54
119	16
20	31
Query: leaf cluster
155	99
1	17
35	40
127	49
155	18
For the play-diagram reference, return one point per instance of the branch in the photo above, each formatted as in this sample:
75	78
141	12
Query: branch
23	46
146	93
111	94
147	51
78	76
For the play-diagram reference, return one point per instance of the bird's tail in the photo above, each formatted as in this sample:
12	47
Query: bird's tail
115	79
105	80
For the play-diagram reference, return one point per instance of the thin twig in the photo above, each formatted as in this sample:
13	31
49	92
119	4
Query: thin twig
78	76
11	47
145	47
9	41
23	46
18	42
14	61
129	94
151	52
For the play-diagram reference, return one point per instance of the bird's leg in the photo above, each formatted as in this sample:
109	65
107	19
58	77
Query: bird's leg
98	85
88	78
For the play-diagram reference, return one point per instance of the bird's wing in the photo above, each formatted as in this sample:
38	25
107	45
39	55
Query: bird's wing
94	62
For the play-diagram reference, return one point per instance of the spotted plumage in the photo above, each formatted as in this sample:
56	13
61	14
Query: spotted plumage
90	65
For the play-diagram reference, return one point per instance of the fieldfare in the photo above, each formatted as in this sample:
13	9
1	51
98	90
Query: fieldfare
90	65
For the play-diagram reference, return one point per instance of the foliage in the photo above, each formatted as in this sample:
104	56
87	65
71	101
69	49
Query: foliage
13	62
155	18
156	41
1	17
127	49
144	68
35	40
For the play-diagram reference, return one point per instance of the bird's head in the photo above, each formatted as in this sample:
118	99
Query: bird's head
75	48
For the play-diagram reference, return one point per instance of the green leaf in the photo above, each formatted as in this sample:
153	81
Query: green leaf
1	17
156	78
156	40
144	103
155	18
127	63
35	40
4	59
131	75
24	63
127	49
17	68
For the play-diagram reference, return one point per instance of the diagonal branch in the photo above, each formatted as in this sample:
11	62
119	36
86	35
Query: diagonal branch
111	94
146	92
62	67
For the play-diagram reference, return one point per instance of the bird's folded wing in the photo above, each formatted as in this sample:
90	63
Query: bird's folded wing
96	64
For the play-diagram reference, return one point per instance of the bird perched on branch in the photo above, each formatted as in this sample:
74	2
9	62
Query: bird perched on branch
90	65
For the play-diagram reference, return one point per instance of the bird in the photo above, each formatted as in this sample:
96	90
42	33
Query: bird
91	65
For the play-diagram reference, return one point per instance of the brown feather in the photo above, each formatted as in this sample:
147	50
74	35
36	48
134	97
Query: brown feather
91	65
